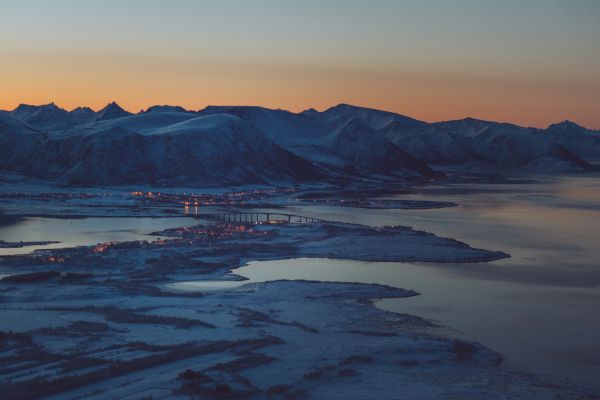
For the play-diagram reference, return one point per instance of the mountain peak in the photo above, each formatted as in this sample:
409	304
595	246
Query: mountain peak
50	106
345	107
112	105
112	111
164	108
30	107
82	110
565	125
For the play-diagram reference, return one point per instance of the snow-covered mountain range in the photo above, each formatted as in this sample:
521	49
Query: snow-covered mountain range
233	145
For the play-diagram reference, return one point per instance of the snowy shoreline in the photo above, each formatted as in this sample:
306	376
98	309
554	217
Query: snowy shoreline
101	322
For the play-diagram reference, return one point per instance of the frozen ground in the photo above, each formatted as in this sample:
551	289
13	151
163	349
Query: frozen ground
101	323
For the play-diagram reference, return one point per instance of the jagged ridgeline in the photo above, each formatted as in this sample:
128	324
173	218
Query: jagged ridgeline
233	145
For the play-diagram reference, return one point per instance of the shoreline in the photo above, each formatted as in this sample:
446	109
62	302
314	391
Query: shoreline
318	336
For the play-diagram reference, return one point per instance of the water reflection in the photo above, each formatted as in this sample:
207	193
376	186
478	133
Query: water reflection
83	231
538	308
540	329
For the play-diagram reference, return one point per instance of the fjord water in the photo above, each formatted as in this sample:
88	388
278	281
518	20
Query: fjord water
72	232
539	308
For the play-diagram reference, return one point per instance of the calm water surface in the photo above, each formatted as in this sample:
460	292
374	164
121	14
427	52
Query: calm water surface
540	308
83	231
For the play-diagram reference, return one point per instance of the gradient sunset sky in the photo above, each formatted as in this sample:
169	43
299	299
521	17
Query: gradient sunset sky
531	62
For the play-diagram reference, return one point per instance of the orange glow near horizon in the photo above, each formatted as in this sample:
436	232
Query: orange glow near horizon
73	78
529	63
423	96
136	84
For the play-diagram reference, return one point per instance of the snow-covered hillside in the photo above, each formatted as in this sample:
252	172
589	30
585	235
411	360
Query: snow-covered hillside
357	147
471	141
576	138
211	150
227	145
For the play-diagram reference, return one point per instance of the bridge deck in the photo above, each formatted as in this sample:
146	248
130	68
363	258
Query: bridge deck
240	217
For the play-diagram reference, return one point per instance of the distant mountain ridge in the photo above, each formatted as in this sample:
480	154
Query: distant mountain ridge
232	145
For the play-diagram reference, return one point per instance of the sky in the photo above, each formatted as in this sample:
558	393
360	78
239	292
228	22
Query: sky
531	62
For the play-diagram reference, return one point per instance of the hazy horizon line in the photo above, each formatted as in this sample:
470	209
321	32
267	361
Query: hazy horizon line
321	109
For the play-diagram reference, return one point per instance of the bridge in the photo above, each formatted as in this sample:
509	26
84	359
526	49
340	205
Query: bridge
253	217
